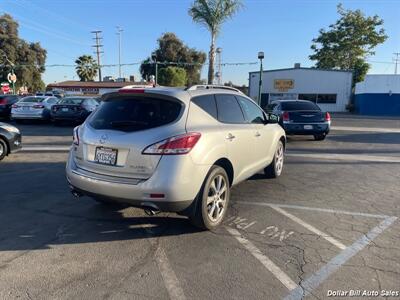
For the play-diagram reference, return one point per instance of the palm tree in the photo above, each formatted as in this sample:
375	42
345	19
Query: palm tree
212	14
86	68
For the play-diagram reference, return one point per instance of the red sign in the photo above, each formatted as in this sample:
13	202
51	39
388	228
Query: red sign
5	88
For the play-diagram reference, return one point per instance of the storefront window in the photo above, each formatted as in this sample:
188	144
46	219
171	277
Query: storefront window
326	98
310	97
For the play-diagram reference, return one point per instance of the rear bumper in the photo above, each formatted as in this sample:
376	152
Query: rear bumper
68	117
21	116
4	111
174	177
298	128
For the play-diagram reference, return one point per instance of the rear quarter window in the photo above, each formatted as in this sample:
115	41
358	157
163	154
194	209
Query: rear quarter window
207	103
135	113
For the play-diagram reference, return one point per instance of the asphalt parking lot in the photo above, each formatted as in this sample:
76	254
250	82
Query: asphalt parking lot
328	224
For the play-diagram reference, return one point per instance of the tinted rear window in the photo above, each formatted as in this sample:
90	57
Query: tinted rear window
71	101
134	114
298	105
32	99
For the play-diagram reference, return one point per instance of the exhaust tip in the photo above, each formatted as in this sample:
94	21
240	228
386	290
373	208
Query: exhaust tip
150	209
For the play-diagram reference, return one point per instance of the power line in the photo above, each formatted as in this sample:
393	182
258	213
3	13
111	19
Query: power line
98	48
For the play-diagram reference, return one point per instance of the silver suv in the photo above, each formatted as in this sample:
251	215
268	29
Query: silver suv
170	149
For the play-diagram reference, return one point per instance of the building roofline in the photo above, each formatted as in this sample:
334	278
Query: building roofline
301	68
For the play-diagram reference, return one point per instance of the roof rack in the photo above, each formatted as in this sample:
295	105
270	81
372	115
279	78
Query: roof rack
212	86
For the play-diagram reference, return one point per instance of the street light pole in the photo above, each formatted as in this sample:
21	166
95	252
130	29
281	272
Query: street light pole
260	57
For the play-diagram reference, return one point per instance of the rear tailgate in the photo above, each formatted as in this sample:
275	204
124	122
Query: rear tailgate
112	140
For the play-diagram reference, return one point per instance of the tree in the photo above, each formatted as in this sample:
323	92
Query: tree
25	58
172	49
212	14
86	68
348	42
172	76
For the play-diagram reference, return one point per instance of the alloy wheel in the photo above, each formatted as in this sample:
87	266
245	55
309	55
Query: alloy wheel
216	198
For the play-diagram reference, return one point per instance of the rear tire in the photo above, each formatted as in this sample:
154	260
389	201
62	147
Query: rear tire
319	137
212	200
3	148
274	169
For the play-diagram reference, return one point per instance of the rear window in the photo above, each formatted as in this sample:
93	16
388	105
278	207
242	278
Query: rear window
298	105
134	114
71	101
32	99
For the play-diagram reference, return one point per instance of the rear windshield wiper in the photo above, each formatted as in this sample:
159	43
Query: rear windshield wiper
127	123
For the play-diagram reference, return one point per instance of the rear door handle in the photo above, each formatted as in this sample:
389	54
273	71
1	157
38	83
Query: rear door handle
230	136
258	134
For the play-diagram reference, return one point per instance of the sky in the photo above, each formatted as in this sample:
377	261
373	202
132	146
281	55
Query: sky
282	29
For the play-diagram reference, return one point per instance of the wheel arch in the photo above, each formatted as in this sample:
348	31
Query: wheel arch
227	166
3	138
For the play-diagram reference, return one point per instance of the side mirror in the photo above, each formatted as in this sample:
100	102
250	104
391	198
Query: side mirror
271	118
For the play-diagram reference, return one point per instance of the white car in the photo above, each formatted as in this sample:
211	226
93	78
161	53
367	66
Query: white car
33	108
169	149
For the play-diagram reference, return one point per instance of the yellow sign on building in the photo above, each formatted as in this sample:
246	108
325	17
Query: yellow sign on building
283	85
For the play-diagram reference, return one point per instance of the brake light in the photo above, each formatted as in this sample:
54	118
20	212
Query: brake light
38	106
3	101
327	116
181	144
131	91
76	136
14	106
285	116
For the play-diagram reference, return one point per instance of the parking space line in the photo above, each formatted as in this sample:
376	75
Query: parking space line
265	261
168	275
309	227
366	129
46	148
311	283
327	210
346	157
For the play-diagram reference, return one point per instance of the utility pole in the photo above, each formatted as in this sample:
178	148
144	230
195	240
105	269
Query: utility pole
119	33
396	61
98	48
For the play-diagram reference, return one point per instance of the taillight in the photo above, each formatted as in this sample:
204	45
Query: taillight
38	106
76	136
327	116
285	116
15	106
181	144
3	101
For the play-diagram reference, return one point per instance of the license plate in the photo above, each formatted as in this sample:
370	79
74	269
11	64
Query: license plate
308	127
64	109
25	107
106	156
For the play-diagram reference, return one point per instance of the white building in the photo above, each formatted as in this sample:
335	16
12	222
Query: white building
330	89
378	95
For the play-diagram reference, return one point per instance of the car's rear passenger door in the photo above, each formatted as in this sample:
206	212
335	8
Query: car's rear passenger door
238	136
263	133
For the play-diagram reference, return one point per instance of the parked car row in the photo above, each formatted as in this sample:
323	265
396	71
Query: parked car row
46	108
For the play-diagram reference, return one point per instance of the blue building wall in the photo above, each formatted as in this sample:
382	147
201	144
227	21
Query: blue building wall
377	104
